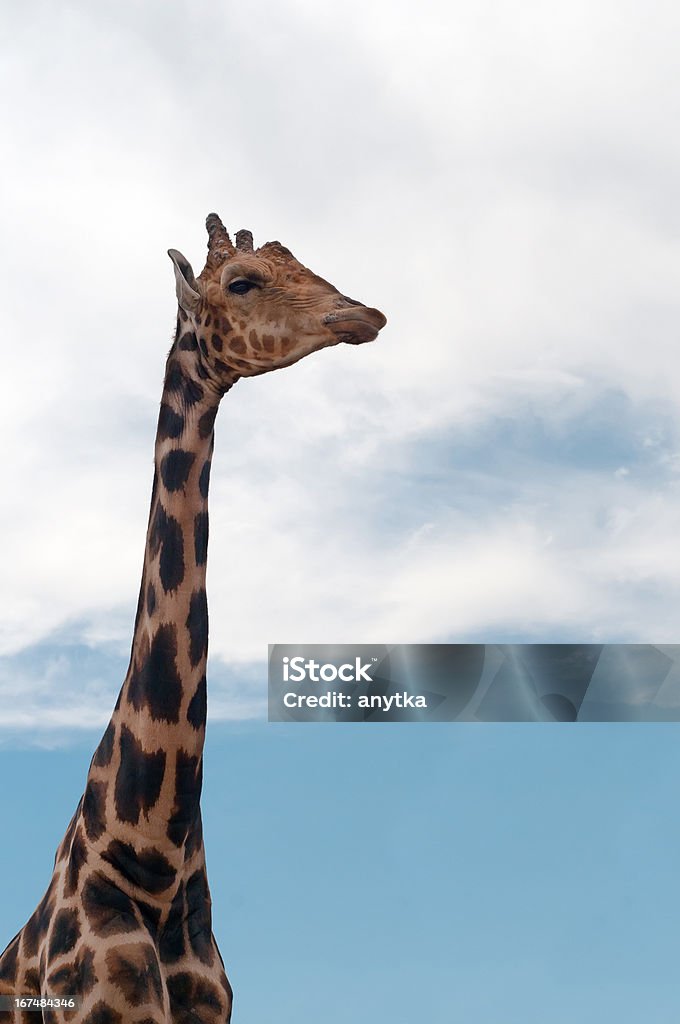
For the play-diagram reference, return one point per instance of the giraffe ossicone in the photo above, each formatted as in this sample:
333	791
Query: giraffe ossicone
125	924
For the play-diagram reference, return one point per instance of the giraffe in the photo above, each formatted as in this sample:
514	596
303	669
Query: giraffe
125	924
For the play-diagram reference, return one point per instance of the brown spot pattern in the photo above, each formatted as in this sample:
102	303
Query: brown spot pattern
135	971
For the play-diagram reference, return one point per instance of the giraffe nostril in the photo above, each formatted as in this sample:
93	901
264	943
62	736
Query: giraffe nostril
351	302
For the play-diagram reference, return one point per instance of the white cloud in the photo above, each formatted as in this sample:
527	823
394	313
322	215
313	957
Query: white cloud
502	182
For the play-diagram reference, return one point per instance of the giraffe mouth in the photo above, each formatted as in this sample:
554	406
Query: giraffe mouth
357	325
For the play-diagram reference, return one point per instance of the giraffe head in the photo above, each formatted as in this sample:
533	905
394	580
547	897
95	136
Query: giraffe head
253	310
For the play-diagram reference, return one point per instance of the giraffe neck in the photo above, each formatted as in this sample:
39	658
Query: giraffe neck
144	783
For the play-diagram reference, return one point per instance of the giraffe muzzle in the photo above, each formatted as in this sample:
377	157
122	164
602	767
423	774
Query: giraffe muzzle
355	325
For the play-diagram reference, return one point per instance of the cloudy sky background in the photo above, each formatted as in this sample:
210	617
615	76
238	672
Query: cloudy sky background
503	464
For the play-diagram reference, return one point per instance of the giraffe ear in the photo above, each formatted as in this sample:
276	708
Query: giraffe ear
186	285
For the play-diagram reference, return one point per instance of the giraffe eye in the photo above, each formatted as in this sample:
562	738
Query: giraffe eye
241	286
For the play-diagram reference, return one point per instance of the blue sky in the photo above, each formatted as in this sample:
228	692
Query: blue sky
497	872
502	464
